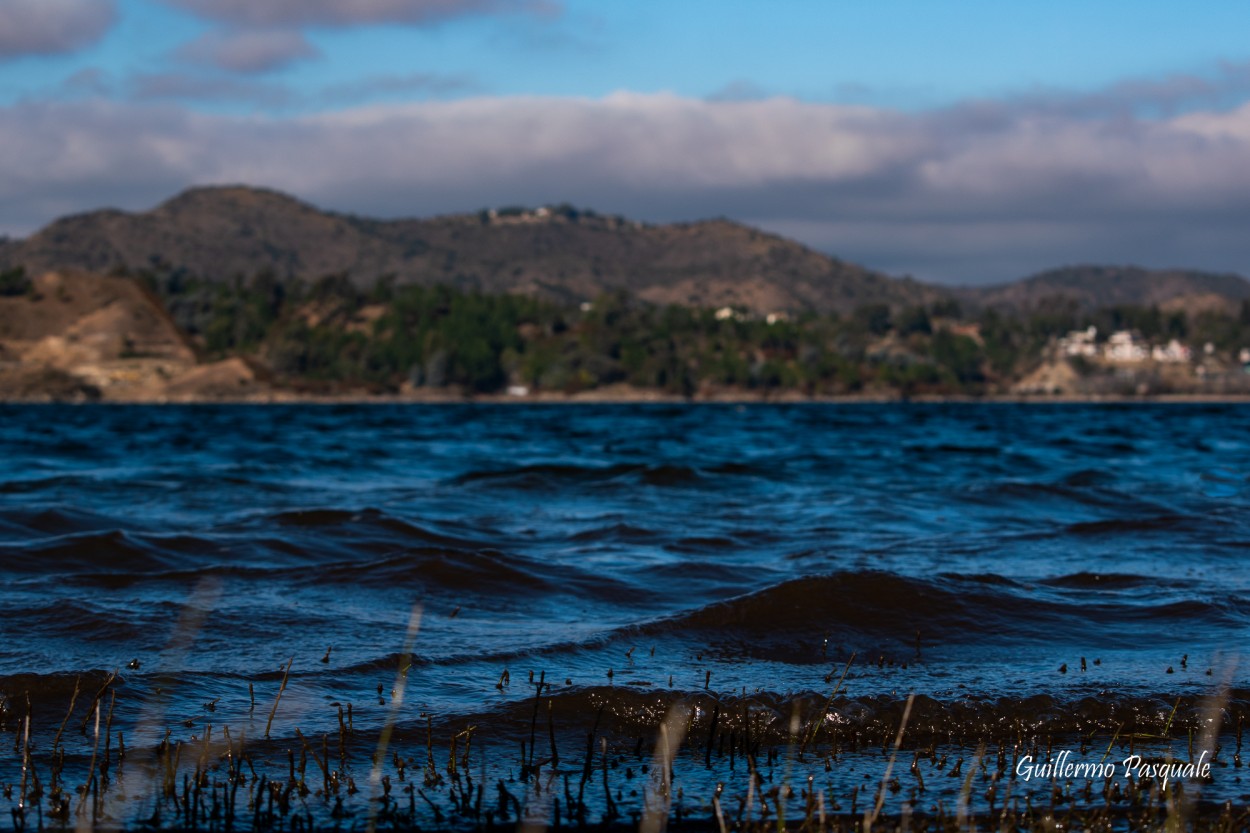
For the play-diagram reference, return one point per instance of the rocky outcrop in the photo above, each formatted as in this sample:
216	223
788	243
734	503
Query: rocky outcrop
77	336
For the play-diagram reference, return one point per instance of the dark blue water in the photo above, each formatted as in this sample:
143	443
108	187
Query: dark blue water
1075	571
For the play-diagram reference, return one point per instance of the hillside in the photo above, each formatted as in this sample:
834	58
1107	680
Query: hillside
561	254
1093	287
74	335
221	232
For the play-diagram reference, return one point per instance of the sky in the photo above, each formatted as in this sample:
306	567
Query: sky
957	141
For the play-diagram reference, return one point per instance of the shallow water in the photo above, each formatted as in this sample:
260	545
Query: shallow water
733	559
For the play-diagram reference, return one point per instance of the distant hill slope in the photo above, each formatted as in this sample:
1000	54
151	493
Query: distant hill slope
1105	286
88	318
220	232
73	335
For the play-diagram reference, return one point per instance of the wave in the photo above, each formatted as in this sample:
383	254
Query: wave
552	477
56	521
1156	523
485	572
89	552
950	609
358	522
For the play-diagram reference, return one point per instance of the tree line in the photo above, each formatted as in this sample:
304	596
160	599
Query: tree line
335	332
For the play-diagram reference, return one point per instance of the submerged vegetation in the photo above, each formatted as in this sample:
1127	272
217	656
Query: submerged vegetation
335	333
608	759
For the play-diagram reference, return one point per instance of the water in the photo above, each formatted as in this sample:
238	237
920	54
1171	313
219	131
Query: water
1032	574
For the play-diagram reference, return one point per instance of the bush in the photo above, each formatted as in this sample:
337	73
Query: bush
14	282
875	318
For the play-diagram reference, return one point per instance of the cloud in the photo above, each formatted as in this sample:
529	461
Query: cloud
740	89
964	194
1228	83
91	81
52	27
419	83
176	86
195	88
354	12
243	51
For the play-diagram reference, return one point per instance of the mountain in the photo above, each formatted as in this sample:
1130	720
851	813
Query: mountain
221	232
1106	286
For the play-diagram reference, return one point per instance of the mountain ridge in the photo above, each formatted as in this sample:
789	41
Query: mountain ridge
223	231
1092	286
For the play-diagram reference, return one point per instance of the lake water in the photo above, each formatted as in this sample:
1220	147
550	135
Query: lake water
785	582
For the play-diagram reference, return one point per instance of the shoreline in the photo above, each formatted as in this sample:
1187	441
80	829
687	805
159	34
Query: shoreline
638	397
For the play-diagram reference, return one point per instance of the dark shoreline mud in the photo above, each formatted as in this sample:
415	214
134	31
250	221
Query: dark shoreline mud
633	397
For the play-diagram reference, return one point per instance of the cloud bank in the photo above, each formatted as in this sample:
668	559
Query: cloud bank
979	192
51	27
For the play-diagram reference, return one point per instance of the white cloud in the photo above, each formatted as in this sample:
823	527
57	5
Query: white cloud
248	51
406	84
1232	126
352	12
50	27
177	86
959	194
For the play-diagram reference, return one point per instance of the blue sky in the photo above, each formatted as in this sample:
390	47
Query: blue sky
960	141
897	53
